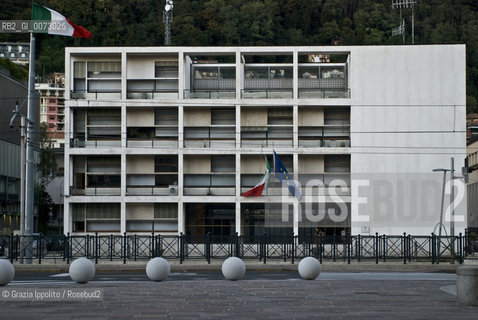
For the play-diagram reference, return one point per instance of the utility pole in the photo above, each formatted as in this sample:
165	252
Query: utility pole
30	162
168	19
400	30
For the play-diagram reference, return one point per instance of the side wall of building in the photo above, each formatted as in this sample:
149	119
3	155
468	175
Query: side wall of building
407	118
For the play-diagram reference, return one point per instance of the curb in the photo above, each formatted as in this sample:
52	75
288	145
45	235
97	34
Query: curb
258	267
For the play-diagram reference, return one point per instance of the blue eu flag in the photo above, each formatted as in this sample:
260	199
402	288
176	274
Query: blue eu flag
284	177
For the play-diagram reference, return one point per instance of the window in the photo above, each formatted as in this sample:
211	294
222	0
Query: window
166	69
223	164
166	116
105	69
279	116
223	117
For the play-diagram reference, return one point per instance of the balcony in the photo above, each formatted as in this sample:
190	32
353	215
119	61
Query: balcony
95	191
323	81
152	89
209	137
212	81
152	137
267	82
215	184
210	94
82	143
327	136
163	182
262	137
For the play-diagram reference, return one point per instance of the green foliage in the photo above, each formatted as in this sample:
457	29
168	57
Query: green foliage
16	72
254	22
47	164
47	167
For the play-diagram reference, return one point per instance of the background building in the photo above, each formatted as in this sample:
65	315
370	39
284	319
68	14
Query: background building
17	52
166	139
11	91
52	108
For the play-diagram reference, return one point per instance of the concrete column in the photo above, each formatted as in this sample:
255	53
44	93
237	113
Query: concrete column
238	127
467	285
238	218
295	77
124	69
123	217
66	217
295	127
123	126
181	127
181	75
296	202
239	77
181	218
123	175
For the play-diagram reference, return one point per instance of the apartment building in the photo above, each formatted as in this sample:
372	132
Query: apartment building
52	108
166	139
16	52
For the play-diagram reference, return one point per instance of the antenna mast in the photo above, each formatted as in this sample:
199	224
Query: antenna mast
168	19
405	4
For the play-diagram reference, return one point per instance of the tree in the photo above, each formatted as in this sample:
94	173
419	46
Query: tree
47	168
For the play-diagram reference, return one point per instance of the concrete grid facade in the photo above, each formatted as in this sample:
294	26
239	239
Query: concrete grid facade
166	139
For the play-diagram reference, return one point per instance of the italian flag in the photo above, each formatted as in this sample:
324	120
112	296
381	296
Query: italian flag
261	186
59	24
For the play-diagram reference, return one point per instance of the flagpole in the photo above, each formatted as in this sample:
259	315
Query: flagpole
30	163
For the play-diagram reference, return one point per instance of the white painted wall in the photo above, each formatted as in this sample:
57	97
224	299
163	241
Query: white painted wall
407	118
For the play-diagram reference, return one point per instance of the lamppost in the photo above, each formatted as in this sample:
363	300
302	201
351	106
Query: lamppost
442	203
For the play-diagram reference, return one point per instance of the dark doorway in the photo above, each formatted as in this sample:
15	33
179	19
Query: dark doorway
218	219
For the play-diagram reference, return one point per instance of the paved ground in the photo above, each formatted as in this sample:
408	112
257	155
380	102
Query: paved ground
264	295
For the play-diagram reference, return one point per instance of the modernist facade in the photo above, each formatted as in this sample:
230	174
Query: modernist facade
166	139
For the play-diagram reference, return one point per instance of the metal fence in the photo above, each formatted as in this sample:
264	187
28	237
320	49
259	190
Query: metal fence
131	247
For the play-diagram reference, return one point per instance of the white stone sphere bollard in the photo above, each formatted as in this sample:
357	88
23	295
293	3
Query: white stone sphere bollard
82	270
233	268
309	268
158	269
7	272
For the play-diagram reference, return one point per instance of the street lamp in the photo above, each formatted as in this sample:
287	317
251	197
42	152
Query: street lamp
442	203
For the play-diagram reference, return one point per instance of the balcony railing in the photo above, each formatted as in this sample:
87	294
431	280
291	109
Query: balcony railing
210	94
321	142
324	93
166	144
95	191
215	84
152	94
210	191
209	143
150	191
78	143
209	184
266	93
265	143
96	95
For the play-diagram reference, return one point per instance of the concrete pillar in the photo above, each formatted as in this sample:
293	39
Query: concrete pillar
66	217
181	218
467	285
123	217
295	77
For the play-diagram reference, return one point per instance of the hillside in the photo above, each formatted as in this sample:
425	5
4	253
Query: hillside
256	22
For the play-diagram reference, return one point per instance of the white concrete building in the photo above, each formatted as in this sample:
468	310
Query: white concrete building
166	139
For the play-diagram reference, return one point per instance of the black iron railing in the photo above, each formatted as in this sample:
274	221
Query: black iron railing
133	247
